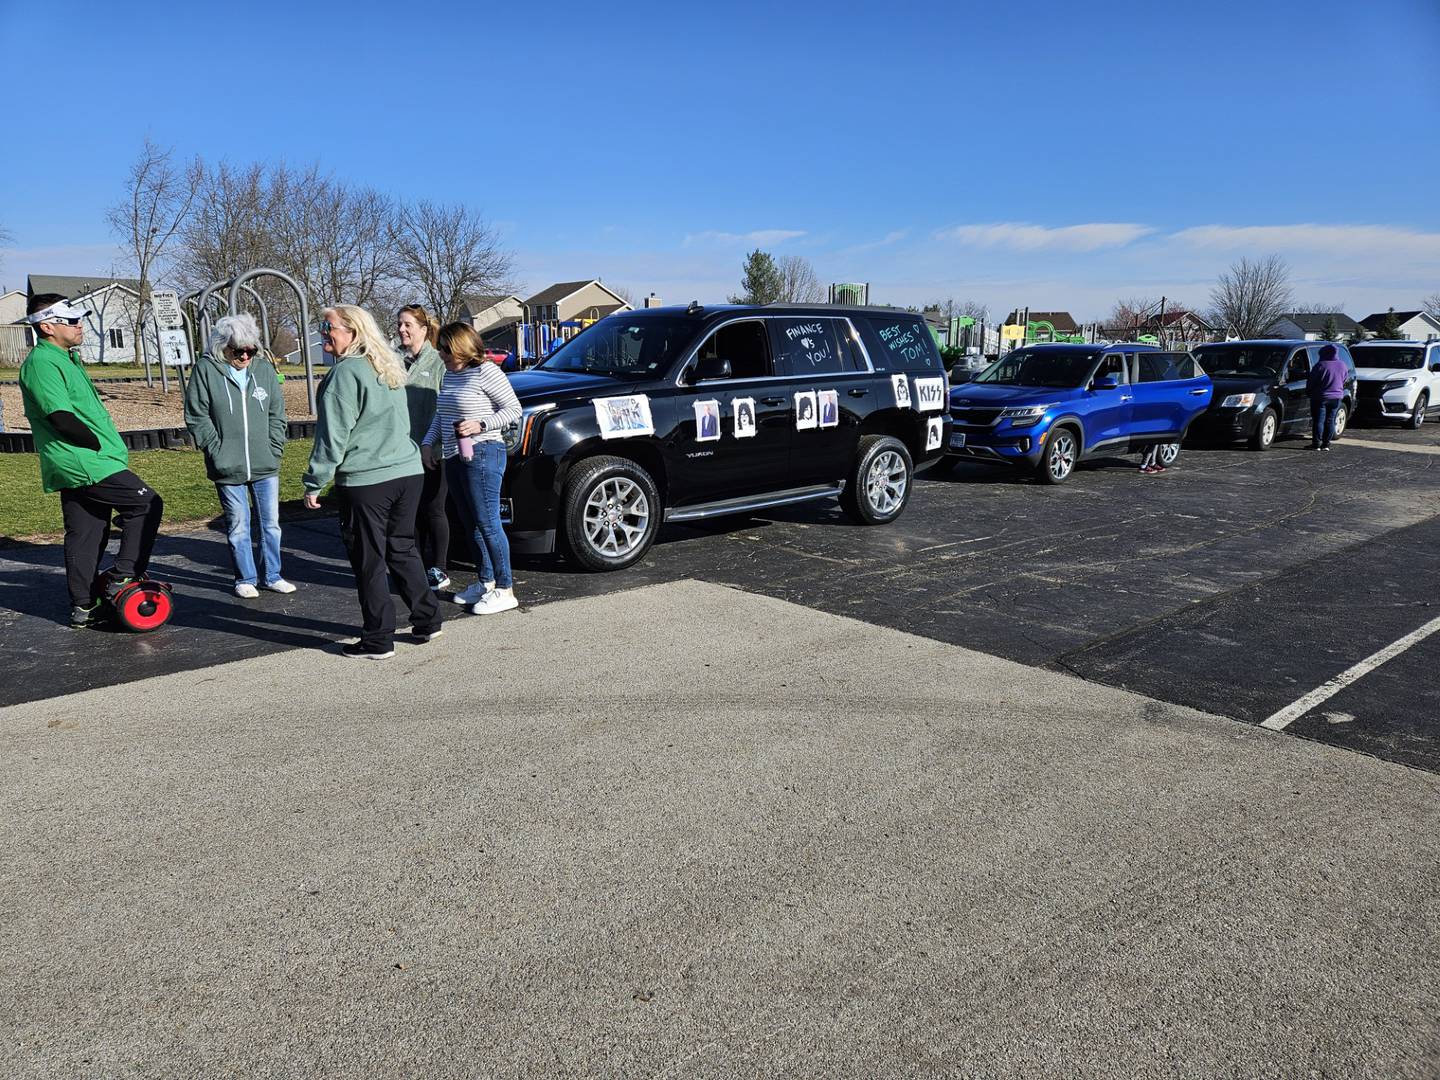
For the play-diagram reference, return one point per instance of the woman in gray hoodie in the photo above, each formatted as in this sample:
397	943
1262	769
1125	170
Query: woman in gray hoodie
235	411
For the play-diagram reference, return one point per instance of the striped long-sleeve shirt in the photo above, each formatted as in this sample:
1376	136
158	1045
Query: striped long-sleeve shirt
481	392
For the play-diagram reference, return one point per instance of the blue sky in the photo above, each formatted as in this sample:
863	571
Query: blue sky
1058	155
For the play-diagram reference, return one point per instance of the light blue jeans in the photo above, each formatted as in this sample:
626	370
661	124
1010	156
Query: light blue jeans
235	498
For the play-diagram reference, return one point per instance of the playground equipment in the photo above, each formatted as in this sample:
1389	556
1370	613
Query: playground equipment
224	296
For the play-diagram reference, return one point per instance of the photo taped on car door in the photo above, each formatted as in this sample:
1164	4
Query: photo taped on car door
743	411
829	402
930	394
805	418
707	420
901	383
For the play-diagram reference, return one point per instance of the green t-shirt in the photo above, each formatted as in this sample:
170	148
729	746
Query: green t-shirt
52	380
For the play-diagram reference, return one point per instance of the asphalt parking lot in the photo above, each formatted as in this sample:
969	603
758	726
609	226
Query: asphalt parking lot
963	796
1235	583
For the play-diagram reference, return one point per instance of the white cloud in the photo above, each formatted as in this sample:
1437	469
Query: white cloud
757	238
1022	236
1349	240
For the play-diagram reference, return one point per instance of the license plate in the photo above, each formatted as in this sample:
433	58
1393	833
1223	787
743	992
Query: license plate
957	440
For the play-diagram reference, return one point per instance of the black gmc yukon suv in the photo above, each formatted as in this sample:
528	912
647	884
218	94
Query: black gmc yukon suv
680	414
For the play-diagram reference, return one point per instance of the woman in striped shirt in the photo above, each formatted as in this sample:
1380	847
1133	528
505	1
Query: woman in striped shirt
475	404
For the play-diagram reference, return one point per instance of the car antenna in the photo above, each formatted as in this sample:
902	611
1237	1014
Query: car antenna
695	308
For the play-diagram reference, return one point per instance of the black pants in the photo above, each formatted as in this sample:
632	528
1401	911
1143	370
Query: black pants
87	511
432	524
378	524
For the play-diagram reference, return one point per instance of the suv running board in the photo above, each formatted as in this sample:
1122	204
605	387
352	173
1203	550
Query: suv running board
752	502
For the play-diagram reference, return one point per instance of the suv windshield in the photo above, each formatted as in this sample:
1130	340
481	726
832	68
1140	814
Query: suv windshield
1041	367
1384	356
1255	361
627	348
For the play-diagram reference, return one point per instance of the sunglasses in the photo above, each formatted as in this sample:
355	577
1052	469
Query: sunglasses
66	322
246	351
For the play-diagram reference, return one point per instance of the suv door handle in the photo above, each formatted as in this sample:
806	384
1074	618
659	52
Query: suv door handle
858	392
772	401
1198	393
1127	397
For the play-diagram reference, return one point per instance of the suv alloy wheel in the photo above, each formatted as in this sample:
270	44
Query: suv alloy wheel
1417	416
1266	430
879	486
1342	417
1062	451
610	513
1169	453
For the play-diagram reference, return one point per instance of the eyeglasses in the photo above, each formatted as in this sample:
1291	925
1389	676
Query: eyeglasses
246	351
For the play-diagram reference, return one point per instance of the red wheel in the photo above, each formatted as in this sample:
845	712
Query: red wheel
144	606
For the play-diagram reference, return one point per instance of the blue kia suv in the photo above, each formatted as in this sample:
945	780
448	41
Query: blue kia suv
1046	407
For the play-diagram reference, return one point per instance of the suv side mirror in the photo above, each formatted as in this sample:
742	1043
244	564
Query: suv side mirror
712	367
1106	382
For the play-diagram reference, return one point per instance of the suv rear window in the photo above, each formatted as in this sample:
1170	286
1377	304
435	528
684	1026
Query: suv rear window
900	344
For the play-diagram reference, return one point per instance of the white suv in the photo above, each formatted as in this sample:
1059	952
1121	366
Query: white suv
1398	380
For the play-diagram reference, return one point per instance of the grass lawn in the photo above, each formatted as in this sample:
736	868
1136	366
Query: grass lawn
178	475
137	371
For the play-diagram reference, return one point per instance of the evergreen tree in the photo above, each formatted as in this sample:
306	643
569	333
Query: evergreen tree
1390	328
762	283
1332	330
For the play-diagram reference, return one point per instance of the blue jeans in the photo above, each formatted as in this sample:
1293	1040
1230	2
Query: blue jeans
235	498
476	487
1322	420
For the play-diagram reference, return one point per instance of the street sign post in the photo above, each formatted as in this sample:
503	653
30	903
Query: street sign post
166	306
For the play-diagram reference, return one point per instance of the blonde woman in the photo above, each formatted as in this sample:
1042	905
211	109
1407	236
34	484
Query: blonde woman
417	330
363	444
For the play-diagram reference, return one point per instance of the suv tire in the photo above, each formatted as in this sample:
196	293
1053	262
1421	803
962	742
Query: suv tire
1062	453
1342	420
1169	454
879	486
610	513
1418	416
1265	430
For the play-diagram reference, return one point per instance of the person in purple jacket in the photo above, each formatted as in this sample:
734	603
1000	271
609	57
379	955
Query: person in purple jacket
1327	387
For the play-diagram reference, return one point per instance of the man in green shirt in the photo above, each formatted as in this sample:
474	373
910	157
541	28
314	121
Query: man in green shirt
83	457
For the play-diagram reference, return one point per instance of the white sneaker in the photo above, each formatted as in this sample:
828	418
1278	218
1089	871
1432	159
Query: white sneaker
494	602
246	591
280	585
472	595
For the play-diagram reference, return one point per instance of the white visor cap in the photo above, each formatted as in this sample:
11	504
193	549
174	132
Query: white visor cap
61	309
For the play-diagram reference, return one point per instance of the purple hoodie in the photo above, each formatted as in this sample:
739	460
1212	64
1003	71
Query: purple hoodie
1327	378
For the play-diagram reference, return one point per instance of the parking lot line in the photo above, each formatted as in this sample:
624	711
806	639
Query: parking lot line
1404	448
1281	720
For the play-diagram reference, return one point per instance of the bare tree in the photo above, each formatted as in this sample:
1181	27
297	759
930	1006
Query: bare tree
1251	295
6	238
447	253
158	199
622	292
1314	308
1130	314
798	283
1431	304
952	308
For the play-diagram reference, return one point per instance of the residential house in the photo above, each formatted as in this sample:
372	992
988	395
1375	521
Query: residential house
1312	326
1061	321
574	301
12	307
485	313
1414	325
114	305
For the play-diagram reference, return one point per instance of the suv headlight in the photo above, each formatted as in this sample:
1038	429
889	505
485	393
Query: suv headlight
518	435
1238	401
1021	415
1395	384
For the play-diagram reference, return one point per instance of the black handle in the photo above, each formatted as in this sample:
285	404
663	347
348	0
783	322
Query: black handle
772	401
858	392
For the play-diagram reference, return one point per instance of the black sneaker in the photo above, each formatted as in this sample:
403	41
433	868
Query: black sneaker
358	651
115	584
438	579
82	616
425	636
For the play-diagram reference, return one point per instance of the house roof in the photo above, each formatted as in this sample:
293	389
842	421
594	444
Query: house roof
1377	320
75	286
1315	322
478	304
559	291
1172	317
1061	320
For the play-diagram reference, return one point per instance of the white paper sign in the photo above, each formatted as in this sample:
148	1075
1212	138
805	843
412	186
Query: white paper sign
743	409
622	417
805	418
902	391
930	395
934	432
707	421
829	401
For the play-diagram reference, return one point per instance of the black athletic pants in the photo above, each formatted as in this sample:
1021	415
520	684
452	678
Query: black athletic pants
432	524
378	523
87	512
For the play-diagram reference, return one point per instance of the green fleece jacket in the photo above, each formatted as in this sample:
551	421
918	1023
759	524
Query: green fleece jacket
422	389
362	430
241	432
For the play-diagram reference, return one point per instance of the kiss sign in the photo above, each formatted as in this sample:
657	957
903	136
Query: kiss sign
930	395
